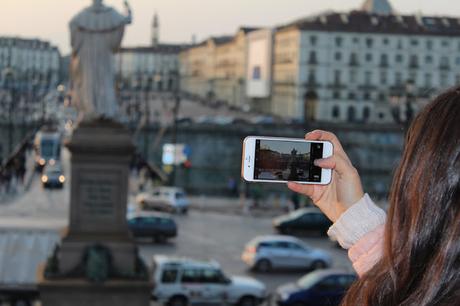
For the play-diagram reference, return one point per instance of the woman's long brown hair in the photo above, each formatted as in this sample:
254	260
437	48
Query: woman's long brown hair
421	261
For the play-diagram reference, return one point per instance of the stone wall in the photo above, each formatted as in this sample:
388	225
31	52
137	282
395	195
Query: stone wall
216	153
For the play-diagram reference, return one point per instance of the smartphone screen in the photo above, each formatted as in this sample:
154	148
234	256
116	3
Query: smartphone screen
287	160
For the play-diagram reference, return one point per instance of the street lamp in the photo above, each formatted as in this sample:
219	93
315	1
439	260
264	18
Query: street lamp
147	119
177	101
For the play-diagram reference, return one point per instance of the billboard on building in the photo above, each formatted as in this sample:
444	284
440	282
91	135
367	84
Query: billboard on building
259	65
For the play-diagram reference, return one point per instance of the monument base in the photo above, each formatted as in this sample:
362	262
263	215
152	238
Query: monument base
78	292
97	261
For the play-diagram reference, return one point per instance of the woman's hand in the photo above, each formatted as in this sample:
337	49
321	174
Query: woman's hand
345	188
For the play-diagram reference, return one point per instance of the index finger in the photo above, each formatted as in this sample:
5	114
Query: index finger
325	136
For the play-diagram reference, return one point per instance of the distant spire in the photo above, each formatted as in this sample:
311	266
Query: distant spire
155	30
381	7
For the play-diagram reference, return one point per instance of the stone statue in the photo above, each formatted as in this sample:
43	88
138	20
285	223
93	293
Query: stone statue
96	33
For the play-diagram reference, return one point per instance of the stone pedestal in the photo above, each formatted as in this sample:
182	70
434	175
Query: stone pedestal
79	292
101	152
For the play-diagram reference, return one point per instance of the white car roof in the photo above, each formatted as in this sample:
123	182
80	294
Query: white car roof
147	214
184	261
168	189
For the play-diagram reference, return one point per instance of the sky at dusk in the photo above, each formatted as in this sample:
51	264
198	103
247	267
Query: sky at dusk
180	19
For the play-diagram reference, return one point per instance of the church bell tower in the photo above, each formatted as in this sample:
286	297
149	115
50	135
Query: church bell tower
155	30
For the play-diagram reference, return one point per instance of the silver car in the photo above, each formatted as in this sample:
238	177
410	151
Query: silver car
265	253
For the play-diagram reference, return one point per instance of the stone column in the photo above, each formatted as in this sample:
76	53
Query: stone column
101	152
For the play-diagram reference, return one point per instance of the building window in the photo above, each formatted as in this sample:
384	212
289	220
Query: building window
352	76
444	79
457	60
355	40
428	59
335	112
413	61
353	59
384	60
313	40
351	96
414	42
366	113
400	44
381	97
413	77
429	44
445	43
399	58
311	77
383	77
367	96
369	57
312	59
351	114
385	41
337	75
444	64
368	77
457	79
336	95
398	78
428	80
338	41
338	56
369	42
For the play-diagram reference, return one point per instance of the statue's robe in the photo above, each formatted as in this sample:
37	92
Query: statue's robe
95	35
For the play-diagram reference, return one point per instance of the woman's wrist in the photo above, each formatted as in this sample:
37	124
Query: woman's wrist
356	221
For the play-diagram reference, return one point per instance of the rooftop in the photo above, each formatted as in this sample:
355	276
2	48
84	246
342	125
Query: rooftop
160	48
368	22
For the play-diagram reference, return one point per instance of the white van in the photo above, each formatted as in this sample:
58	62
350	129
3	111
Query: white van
182	281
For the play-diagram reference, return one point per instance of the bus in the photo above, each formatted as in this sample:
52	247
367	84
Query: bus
47	145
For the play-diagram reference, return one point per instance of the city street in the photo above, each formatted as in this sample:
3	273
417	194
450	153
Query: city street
202	235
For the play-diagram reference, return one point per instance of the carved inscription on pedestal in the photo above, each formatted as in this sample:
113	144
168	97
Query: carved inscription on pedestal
98	194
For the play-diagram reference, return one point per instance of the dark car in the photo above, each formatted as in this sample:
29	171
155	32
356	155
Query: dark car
152	225
301	220
53	176
318	288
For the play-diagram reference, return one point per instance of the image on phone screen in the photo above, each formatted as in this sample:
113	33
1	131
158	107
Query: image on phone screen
287	160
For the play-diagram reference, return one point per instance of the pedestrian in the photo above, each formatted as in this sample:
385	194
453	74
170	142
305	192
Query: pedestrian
232	187
411	256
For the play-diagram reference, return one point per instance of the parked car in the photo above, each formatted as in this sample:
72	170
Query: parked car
265	253
167	199
152	225
52	176
319	288
304	219
183	281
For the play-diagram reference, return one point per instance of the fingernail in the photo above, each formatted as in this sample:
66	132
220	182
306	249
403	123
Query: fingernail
316	162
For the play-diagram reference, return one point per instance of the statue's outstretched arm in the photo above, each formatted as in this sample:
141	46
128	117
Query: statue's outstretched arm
129	14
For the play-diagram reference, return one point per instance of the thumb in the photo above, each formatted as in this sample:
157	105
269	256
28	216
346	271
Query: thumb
335	162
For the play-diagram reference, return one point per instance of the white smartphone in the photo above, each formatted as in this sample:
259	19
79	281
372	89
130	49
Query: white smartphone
280	160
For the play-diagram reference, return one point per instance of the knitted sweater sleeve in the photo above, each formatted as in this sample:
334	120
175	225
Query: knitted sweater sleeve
360	230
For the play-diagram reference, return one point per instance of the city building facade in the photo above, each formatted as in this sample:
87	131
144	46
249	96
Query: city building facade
358	66
33	65
216	68
151	68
